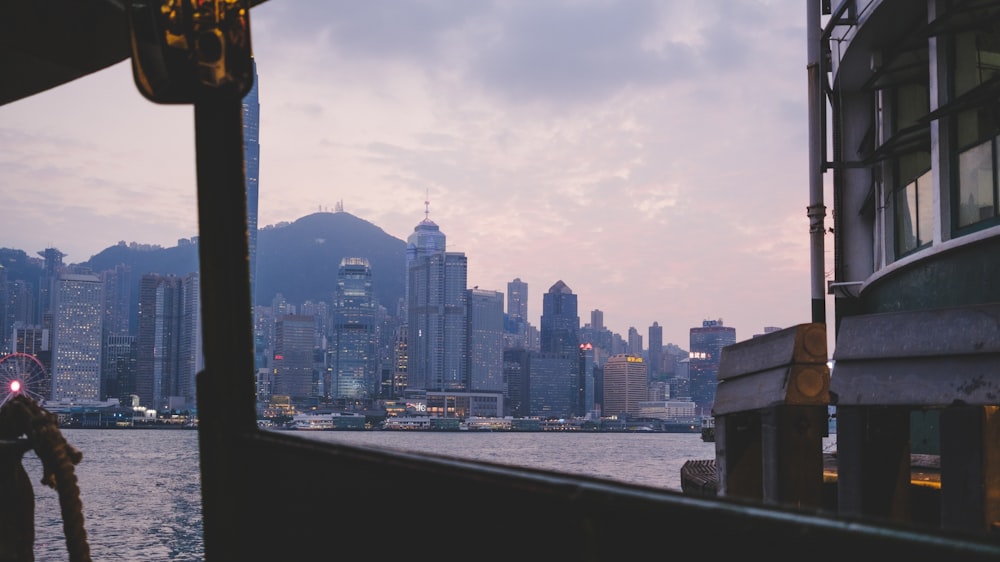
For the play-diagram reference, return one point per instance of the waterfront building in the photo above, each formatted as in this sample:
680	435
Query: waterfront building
553	379
625	385
485	333
292	367
706	350
516	371
438	325
35	341
119	368
354	358
168	343
77	317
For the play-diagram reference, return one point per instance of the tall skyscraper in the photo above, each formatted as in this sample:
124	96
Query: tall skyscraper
516	369
51	268
426	239
17	306
655	363
624	385
553	384
293	357
353	335
485	313
437	326
168	344
77	316
517	299
634	342
560	322
251	157
705	353
516	320
117	300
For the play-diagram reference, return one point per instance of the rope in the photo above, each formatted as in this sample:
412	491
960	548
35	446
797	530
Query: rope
23	416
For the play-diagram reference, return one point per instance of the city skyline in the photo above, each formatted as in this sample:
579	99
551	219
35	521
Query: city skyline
651	157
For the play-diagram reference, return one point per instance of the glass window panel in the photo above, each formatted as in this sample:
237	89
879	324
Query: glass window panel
966	68
906	219
925	209
975	184
912	103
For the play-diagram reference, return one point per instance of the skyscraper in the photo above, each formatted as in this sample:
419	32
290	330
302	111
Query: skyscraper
426	239
560	322
517	299
168	344
634	342
485	313
624	385
353	345
251	158
77	315
706	351
293	357
655	363
437	326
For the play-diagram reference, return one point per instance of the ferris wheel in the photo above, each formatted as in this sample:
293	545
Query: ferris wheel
21	373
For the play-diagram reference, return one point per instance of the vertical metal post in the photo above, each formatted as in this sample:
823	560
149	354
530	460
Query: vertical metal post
225	388
816	210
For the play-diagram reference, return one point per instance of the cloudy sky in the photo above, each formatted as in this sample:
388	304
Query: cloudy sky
650	154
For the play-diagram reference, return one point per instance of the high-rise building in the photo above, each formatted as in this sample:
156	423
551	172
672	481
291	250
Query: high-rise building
516	370
426	239
560	322
354	359
119	369
585	381
516	320
655	363
77	316
485	313
17	306
51	268
553	384
35	341
293	357
437	326
706	351
634	342
168	343
625	385
117	300
251	157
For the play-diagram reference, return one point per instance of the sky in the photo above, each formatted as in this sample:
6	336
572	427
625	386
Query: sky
650	154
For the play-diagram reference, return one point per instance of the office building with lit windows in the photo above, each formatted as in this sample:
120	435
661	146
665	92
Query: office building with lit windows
706	345
625	386
77	323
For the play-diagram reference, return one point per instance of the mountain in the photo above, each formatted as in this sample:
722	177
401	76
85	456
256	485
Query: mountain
298	260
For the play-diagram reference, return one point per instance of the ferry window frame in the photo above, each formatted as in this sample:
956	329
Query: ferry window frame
976	155
913	212
899	110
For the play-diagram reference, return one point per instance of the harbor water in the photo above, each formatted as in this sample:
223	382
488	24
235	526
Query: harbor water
142	498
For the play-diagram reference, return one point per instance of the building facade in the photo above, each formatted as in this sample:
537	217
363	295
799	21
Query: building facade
560	323
353	352
625	386
438	324
706	345
485	333
77	324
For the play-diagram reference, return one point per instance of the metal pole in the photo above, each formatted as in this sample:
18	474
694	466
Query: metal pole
816	210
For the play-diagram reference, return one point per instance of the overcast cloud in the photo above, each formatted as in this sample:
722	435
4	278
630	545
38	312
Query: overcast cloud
650	154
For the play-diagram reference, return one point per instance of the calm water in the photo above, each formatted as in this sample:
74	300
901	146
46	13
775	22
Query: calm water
141	488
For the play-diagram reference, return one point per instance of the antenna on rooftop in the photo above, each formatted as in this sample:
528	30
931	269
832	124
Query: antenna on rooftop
427	204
